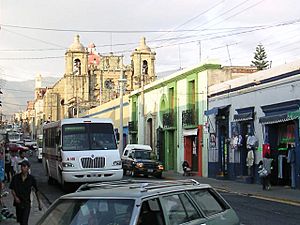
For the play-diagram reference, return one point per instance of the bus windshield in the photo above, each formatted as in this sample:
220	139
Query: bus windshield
92	136
14	136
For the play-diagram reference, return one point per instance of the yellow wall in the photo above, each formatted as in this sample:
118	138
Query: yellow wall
111	110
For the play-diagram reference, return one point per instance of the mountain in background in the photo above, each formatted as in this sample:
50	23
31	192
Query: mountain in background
17	93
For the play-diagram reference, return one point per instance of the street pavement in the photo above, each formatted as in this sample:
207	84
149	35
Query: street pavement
254	206
277	193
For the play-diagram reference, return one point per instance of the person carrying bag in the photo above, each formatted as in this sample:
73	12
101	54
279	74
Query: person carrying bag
264	171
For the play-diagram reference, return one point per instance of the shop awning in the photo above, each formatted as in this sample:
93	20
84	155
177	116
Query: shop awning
243	116
215	110
190	132
294	115
281	118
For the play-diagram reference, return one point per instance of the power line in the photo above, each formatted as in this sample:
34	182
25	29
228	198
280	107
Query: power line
194	17
239	12
187	42
224	30
32	58
233	34
98	31
31	38
216	17
32	50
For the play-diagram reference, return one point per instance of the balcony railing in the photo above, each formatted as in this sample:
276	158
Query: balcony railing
132	126
168	120
189	117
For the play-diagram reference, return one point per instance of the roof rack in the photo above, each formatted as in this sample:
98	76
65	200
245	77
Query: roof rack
144	185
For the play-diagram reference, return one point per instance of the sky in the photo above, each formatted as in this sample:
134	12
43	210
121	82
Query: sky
181	32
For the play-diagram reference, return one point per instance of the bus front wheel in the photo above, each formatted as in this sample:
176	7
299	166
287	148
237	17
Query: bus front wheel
66	186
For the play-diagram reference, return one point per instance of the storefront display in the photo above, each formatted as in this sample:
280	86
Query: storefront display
281	132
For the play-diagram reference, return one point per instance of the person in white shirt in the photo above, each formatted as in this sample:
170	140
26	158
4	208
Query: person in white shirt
20	160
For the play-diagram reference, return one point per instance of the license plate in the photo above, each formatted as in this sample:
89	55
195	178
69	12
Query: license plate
150	170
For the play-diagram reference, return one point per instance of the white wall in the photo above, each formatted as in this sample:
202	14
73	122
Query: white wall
280	91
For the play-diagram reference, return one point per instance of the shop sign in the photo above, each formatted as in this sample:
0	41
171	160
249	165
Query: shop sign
294	115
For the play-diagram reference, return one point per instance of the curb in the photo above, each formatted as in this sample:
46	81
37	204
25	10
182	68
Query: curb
262	197
258	196
46	201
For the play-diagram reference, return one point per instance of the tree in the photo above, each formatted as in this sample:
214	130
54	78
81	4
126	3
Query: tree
260	57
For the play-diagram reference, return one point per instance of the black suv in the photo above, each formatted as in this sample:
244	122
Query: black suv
141	160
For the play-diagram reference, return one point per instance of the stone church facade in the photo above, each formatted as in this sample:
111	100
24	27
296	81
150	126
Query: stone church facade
91	79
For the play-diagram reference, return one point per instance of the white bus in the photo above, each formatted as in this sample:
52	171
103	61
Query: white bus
14	136
81	150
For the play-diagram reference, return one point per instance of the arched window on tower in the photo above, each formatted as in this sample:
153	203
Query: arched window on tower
77	67
145	67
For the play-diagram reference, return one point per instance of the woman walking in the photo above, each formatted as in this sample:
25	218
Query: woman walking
265	167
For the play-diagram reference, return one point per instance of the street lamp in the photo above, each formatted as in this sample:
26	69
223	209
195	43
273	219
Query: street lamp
122	80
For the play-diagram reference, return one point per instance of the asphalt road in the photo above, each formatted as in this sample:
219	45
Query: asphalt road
251	211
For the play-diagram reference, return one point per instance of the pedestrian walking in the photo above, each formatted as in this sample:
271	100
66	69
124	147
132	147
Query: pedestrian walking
21	186
265	167
7	165
14	163
21	158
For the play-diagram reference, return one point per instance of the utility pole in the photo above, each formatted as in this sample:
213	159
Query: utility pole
199	43
179	55
122	80
228	55
77	106
142	119
227	47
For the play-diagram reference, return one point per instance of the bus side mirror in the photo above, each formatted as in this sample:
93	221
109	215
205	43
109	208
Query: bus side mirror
118	136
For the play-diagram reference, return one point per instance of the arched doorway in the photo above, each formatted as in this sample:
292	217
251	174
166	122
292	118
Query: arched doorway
149	132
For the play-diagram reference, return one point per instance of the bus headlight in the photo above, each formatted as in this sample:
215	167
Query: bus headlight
67	164
117	163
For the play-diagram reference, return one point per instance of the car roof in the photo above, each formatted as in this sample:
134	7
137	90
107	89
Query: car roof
138	147
133	189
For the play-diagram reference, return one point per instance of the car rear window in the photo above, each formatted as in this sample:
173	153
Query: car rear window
89	211
208	201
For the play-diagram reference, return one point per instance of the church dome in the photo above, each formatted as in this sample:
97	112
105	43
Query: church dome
76	46
143	47
92	45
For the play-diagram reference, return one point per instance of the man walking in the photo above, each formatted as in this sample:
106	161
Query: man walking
21	186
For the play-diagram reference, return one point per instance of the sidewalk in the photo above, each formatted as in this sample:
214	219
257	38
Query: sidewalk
277	193
35	214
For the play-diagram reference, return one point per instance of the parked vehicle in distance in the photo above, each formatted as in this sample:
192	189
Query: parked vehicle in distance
9	128
137	202
141	160
39	148
31	144
14	147
14	136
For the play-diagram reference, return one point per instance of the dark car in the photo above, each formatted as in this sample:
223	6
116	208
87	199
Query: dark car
141	160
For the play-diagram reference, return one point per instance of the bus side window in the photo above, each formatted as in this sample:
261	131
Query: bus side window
57	138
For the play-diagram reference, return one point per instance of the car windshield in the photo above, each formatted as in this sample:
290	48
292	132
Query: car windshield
142	155
89	211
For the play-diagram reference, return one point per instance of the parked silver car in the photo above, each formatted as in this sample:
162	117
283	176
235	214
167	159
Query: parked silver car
136	202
